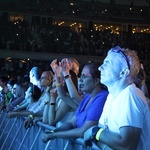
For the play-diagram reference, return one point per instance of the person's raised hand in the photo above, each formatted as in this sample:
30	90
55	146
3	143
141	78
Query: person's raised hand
66	66
56	67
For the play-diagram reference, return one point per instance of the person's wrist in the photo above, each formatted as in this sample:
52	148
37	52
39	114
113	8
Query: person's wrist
52	104
54	134
57	75
94	132
31	117
65	73
52	100
98	134
67	76
58	84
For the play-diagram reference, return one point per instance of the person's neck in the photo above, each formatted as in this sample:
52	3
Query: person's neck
30	100
46	88
37	83
95	91
117	87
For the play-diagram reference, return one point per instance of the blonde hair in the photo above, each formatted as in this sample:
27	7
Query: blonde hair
134	62
49	75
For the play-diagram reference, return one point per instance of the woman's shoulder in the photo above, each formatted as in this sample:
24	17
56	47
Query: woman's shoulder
103	92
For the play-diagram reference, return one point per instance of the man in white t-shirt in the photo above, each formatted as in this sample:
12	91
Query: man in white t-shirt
125	121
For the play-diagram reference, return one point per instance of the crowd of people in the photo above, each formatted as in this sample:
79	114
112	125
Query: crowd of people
107	103
79	8
54	39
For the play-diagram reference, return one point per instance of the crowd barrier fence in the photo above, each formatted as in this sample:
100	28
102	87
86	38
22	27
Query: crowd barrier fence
13	136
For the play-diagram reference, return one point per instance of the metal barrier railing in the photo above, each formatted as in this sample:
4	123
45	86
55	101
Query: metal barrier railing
13	136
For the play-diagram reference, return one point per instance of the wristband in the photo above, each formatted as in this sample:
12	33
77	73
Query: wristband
98	134
67	76
52	104
58	84
31	116
94	131
51	131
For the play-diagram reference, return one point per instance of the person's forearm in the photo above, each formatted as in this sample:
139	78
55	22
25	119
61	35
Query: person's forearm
69	134
52	114
113	140
60	89
64	127
72	90
62	94
38	114
23	106
23	113
45	113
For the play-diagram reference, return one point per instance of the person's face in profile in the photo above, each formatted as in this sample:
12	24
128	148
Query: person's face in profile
31	76
28	93
86	81
45	80
14	92
110	69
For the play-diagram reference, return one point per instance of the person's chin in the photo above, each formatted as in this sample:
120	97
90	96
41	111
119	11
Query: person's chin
102	81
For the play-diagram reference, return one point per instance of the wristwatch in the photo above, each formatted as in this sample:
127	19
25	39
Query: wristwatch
94	132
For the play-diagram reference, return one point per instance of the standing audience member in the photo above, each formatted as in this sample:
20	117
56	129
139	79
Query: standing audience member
10	84
125	120
36	110
32	94
57	109
89	109
61	70
75	66
140	82
34	76
26	81
18	92
5	94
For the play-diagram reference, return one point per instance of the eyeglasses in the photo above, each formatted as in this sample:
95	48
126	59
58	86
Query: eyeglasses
84	76
117	49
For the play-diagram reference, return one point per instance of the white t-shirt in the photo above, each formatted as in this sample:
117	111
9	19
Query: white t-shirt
130	108
39	105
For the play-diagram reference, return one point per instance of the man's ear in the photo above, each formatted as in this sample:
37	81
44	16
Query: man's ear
124	73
